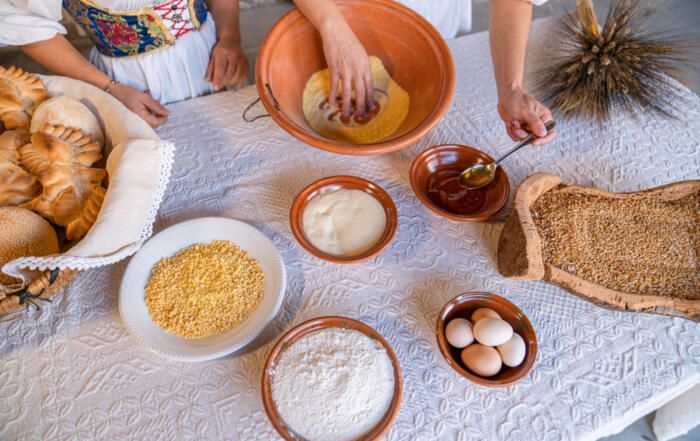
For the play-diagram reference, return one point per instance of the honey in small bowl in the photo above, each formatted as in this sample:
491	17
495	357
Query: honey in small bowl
435	181
446	192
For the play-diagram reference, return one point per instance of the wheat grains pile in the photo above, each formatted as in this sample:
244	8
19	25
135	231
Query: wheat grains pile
634	246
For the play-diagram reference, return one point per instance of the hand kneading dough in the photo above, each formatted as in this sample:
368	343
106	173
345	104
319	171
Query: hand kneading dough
23	233
392	110
67	112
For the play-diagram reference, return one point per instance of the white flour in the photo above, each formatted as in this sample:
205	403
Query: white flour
333	385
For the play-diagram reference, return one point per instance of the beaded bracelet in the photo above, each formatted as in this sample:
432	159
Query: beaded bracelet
109	85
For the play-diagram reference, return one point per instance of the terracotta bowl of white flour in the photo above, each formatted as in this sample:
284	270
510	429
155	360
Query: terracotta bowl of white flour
332	379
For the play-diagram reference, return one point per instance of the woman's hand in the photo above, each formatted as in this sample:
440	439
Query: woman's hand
228	64
508	30
141	103
59	56
522	113
347	61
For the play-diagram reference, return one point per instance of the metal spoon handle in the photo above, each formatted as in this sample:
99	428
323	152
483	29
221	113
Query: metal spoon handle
549	125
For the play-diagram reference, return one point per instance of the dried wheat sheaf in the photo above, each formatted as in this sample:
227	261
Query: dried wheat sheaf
624	65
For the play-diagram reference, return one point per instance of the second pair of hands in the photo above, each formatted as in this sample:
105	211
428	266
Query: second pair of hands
349	65
228	65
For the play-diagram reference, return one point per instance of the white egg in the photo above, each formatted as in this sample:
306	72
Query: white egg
458	333
491	331
513	351
482	360
484	312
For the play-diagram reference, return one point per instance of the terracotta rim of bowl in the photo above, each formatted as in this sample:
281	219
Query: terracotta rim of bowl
322	323
530	355
462	218
349	183
269	101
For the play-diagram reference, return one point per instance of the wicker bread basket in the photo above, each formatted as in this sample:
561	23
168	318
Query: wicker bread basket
40	289
138	164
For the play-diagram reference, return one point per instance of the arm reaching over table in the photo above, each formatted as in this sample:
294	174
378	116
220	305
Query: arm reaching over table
346	57
60	57
508	30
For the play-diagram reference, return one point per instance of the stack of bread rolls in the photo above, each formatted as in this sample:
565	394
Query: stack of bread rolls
48	148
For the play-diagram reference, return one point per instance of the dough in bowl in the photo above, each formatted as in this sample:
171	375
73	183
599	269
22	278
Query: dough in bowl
65	111
391	107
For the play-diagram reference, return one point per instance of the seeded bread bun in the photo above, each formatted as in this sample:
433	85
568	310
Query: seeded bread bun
23	233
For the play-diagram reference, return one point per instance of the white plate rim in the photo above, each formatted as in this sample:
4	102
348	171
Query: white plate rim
183	355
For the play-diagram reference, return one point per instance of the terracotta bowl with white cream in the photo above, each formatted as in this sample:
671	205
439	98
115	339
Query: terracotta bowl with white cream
344	219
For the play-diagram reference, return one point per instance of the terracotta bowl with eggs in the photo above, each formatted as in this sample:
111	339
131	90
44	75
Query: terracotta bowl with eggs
335	183
463	306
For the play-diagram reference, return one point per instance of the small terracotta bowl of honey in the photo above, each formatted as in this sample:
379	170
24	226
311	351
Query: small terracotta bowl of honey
435	180
335	183
463	306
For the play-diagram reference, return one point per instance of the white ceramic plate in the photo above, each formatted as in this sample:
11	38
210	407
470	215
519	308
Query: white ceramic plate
132	304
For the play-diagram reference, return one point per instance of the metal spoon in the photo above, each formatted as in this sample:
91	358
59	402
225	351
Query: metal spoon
480	175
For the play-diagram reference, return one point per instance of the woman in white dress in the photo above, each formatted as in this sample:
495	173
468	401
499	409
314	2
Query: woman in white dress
147	54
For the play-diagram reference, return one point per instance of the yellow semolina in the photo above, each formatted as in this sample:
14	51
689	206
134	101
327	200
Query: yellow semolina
204	289
392	104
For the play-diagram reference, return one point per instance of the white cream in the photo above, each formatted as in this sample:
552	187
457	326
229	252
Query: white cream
344	222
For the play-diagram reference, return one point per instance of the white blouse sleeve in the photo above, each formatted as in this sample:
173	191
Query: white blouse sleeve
29	21
537	2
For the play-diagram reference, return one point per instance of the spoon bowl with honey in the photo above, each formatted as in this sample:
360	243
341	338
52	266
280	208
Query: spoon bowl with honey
480	175
435	182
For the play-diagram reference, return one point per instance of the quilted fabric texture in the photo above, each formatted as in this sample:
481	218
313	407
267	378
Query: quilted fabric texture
71	371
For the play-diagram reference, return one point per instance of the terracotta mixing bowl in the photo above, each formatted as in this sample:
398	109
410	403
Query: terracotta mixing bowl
463	306
334	183
458	157
314	325
411	49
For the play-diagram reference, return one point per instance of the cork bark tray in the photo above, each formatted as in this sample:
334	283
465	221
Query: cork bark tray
626	251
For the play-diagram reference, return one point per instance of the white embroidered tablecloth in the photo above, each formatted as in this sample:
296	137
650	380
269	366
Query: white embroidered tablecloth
72	372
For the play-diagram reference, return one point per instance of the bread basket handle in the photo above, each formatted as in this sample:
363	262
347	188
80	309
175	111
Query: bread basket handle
29	295
249	119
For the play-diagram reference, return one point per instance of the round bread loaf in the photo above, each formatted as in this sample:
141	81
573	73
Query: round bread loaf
68	112
23	233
